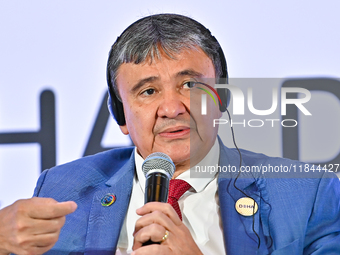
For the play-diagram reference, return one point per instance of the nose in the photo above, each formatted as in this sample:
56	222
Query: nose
171	105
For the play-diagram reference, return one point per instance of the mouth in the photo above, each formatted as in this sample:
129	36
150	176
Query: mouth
175	132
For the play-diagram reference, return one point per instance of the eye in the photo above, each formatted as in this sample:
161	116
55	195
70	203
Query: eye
189	84
148	92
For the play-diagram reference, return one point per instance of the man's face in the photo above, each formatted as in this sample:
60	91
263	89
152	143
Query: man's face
156	100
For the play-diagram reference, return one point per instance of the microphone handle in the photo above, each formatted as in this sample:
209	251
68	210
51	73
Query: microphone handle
150	242
156	190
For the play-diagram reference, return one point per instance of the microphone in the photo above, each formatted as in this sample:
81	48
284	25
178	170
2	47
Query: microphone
158	169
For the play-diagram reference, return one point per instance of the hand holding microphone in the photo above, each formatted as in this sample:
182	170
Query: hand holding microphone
158	169
160	230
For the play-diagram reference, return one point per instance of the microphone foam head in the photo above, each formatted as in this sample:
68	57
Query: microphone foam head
158	162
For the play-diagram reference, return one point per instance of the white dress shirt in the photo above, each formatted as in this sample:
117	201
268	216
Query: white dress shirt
199	207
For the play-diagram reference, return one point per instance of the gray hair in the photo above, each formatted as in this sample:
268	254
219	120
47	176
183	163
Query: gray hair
171	33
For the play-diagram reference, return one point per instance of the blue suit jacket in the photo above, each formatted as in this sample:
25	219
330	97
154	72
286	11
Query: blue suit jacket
296	215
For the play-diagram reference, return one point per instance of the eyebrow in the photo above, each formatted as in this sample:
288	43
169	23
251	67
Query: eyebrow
189	72
142	82
186	72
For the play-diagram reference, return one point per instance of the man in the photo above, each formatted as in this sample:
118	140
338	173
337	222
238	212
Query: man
154	70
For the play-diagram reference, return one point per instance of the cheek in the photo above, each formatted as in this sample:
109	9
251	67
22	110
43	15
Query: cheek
133	120
138	120
205	123
130	118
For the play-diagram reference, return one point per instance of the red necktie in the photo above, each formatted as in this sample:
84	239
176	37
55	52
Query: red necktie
177	188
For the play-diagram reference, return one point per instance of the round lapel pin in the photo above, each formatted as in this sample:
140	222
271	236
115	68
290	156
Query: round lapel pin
246	206
108	200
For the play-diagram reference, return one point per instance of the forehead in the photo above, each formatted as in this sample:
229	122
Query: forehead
165	67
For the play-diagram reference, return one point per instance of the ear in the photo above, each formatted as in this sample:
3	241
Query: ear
124	129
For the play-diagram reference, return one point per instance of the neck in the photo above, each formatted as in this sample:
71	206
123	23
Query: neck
178	172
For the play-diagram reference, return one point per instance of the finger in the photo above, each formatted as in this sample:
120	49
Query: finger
45	240
47	209
156	217
31	250
41	226
27	244
165	208
41	250
153	232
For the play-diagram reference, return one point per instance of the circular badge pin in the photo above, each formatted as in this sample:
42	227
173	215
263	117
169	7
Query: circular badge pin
246	206
108	200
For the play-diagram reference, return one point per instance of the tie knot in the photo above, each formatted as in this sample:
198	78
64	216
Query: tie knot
177	188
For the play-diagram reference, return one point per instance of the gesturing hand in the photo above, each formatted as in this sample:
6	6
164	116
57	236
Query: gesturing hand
157	220
32	226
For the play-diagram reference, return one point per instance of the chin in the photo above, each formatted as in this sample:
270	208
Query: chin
178	155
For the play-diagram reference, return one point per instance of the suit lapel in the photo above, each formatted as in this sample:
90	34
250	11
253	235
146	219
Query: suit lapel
105	222
239	231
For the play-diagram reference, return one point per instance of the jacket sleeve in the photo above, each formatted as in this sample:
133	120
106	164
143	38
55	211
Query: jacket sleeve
323	230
